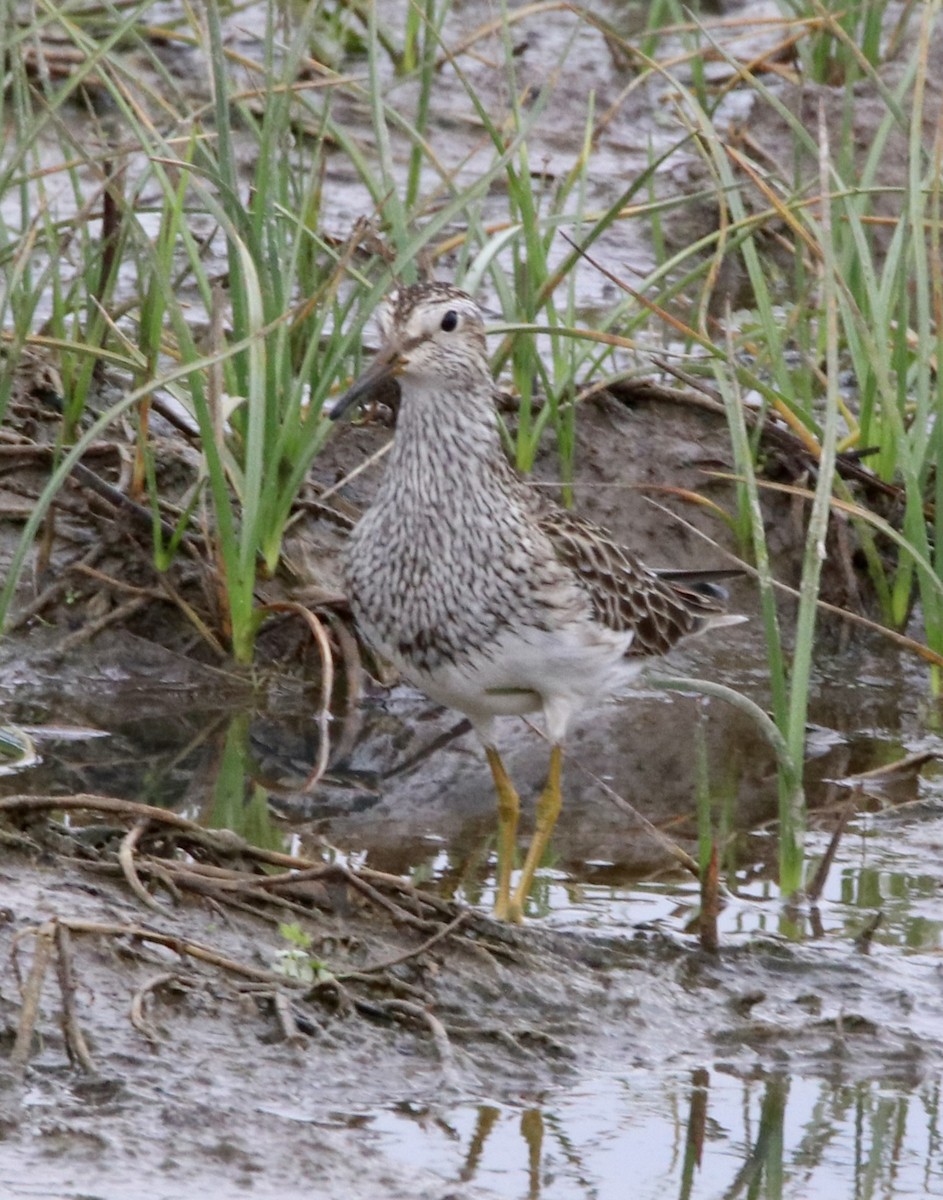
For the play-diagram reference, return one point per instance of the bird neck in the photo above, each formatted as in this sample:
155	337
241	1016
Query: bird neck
446	434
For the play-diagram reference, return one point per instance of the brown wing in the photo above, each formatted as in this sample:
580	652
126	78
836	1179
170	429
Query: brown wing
624	593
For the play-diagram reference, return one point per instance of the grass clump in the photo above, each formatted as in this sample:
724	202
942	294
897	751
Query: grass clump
247	326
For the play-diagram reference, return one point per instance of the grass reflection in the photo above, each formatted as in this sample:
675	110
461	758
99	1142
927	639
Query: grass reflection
774	1137
237	801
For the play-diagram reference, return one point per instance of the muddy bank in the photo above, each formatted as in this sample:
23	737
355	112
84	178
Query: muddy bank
208	1088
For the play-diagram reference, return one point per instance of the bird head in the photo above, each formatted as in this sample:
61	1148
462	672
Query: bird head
432	333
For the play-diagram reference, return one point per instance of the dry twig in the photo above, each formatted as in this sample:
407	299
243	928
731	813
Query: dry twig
45	936
126	859
76	1046
139	1003
415	1012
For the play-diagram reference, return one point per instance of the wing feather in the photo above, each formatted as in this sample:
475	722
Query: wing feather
625	595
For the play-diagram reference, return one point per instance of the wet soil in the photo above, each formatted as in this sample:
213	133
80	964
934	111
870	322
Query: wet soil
217	1092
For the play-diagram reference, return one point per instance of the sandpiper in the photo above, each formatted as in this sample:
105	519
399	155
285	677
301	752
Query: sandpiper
481	591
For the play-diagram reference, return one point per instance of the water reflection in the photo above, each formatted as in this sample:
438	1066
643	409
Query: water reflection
708	1134
417	803
237	801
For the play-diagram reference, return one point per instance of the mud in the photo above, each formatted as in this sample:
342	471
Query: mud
219	1095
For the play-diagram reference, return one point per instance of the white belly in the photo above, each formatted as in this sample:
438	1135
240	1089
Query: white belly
531	670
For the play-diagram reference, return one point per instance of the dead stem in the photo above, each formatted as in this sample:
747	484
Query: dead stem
388	982
204	631
323	715
866	936
139	514
295	890
439	936
353	665
220	841
54	591
151	850
116	585
180	945
115	616
22	1047
286	1018
814	890
126	859
76	1046
674	851
232	893
415	1012
160	872
396	911
139	1000
710	905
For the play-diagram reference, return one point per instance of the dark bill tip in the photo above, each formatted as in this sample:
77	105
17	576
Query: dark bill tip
375	378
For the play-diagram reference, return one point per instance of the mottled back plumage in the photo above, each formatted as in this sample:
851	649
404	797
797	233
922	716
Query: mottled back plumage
625	594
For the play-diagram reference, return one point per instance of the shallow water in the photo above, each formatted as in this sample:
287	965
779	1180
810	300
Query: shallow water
704	1134
824	1081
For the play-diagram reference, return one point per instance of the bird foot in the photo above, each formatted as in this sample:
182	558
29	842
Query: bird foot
508	908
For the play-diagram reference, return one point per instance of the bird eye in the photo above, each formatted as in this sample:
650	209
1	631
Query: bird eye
450	320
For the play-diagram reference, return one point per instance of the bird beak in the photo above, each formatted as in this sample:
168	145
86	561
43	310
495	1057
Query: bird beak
386	365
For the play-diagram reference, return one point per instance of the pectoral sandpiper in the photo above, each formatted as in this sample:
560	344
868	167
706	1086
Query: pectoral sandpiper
481	591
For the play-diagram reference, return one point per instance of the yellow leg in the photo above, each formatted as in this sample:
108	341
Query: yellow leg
548	809
509	807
